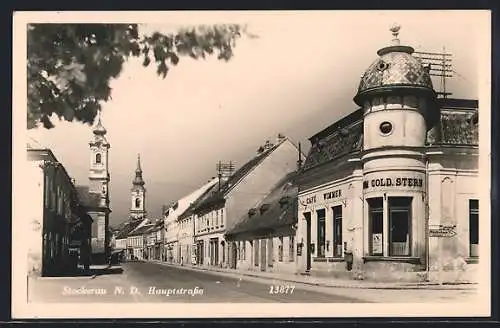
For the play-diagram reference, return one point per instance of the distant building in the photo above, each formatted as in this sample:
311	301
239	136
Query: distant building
138	194
391	190
179	231
137	242
58	220
226	204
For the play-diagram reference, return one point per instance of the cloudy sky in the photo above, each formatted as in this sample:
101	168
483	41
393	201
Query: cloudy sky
297	78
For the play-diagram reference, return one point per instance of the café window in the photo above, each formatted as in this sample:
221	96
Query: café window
400	226
321	233
376	223
337	231
474	227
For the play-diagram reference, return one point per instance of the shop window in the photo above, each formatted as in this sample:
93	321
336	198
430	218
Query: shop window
474	227
376	223
400	224
238	250
321	233
280	250
337	231
291	248
244	250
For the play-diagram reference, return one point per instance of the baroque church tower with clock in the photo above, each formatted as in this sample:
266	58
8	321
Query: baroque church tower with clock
138	194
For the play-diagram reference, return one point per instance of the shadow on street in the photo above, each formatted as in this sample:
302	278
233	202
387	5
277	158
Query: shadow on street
90	272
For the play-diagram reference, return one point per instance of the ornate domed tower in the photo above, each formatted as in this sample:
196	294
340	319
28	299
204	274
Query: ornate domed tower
138	193
400	106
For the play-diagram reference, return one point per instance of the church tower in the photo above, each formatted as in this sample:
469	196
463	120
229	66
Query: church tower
99	187
138	193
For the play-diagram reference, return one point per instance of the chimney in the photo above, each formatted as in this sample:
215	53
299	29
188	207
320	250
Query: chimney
280	138
268	145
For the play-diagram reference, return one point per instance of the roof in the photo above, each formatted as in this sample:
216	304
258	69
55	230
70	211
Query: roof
191	209
127	228
177	209
216	197
457	126
395	67
142	230
341	138
277	209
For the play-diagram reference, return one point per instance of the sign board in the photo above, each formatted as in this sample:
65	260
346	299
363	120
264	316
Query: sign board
396	181
442	232
377	243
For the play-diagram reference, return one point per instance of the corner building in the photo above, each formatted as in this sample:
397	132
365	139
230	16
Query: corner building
395	182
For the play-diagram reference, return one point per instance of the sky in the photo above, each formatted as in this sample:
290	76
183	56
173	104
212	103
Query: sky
298	77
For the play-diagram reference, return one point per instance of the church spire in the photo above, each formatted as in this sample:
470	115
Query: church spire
138	181
99	128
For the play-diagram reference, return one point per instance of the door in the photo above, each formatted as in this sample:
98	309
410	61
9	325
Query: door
308	241
234	255
263	254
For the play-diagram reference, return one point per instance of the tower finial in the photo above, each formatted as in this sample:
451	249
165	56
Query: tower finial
138	162
395	33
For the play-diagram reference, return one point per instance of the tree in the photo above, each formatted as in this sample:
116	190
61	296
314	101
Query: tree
70	65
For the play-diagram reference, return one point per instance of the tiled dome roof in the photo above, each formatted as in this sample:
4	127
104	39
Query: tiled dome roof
395	67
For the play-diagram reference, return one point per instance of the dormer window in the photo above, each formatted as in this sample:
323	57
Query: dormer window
251	212
137	202
264	208
98	158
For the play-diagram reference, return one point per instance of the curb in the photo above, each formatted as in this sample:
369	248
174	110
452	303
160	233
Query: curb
421	286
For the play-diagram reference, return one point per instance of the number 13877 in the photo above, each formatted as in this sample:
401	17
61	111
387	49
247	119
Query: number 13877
281	289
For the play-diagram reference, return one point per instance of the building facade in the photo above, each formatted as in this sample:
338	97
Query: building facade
229	202
58	221
99	178
265	236
385	192
179	226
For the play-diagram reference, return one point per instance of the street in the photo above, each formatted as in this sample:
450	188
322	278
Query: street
152	282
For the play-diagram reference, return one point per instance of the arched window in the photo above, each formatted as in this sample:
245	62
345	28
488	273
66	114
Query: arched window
137	202
98	158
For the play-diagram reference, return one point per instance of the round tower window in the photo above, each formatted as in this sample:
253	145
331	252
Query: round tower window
385	127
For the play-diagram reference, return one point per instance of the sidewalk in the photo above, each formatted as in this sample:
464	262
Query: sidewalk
94	271
326	282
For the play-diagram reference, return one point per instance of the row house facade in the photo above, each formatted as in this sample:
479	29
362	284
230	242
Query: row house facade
226	204
136	241
179	235
60	225
265	236
154	241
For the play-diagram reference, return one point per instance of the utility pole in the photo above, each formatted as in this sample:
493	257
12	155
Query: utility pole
224	170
